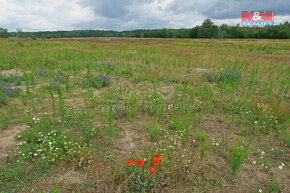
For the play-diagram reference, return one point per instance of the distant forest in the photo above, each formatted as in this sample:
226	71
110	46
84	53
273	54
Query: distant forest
207	30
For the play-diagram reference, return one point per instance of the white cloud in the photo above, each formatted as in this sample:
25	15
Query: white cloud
31	15
40	15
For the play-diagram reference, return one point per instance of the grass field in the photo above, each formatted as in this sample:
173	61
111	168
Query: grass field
94	115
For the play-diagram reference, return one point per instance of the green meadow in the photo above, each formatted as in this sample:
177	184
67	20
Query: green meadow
121	115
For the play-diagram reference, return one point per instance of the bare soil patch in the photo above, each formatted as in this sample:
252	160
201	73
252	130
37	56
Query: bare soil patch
11	71
7	141
131	137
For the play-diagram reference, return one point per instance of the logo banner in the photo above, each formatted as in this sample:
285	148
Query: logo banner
257	18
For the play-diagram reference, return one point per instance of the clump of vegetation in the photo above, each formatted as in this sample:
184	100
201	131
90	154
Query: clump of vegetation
227	76
59	77
179	123
238	156
201	136
8	90
52	145
20	44
143	174
110	67
3	100
98	81
260	118
4	119
274	186
12	79
42	72
119	111
53	86
154	130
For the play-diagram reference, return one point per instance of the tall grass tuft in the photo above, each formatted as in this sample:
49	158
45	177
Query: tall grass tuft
238	156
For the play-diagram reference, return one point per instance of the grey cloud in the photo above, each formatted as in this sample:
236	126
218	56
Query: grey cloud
108	8
224	9
111	8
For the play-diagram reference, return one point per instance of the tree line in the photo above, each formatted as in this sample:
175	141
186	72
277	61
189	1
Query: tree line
207	30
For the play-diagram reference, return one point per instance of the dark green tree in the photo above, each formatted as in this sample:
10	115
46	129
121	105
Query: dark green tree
4	33
208	29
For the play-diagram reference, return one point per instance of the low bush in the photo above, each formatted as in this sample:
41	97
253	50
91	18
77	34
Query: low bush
8	90
12	79
98	81
228	76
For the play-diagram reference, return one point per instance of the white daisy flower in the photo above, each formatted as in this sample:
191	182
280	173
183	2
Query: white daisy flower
280	167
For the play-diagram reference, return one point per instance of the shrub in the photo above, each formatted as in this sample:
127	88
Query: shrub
12	79
8	90
228	76
98	81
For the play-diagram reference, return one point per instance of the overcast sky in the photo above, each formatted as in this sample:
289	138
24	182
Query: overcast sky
41	15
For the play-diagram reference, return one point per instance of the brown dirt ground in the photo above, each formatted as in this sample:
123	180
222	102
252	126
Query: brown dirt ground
11	71
7	141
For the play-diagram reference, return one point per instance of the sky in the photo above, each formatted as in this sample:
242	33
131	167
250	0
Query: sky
51	15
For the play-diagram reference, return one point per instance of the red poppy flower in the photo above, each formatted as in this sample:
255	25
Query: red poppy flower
130	162
185	188
139	163
157	156
148	176
164	187
152	170
149	158
155	161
